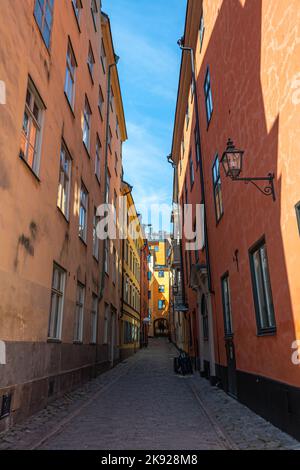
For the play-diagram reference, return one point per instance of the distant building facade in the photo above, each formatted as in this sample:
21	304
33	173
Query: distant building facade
159	288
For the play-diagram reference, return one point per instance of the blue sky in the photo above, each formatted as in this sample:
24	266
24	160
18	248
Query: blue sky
145	33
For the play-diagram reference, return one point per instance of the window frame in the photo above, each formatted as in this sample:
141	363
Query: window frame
65	211
98	158
103	57
201	31
79	313
261	329
61	296
217	184
77	10
192	170
87	121
91	61
43	19
85	209
209	107
226	304
35	99
69	74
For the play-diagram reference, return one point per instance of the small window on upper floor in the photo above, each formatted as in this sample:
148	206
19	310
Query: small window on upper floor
91	61
201	31
217	189
101	102
103	56
77	6
43	13
71	66
94	10
208	97
192	174
187	116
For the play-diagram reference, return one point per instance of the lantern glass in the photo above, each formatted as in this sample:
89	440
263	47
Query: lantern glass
232	160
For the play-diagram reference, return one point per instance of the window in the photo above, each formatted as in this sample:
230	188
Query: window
79	313
77	6
149	276
297	208
106	255
149	294
91	60
192	175
86	124
217	189
98	159
64	181
114	271
43	13
226	305
182	148
107	188
161	289
109	138
96	220
115	207
192	90
187	116
111	100
94	11
117	127
70	75
32	126
197	146
161	304
156	248
201	31
161	274
208	97
101	102
94	318
262	293
57	302
204	315
103	56
83	213
116	163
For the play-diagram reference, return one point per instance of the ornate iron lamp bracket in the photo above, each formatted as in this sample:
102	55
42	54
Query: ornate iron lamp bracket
267	190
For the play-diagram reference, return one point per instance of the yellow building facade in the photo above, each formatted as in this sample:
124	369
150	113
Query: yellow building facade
130	319
159	288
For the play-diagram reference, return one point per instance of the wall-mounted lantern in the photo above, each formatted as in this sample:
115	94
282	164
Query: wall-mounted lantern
232	161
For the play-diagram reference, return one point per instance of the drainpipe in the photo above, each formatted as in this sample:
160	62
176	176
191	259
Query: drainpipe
114	64
190	50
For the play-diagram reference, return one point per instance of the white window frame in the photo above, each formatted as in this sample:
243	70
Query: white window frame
57	295
86	131
83	212
70	78
35	102
64	183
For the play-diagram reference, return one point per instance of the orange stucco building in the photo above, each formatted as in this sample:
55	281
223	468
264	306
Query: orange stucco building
61	134
242	289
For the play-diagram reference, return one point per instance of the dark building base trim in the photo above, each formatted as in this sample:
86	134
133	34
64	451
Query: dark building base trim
277	402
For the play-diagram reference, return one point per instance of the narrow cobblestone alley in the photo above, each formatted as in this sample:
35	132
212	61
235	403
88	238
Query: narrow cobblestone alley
142	404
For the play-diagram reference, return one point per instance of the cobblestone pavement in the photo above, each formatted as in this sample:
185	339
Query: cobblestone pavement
142	404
